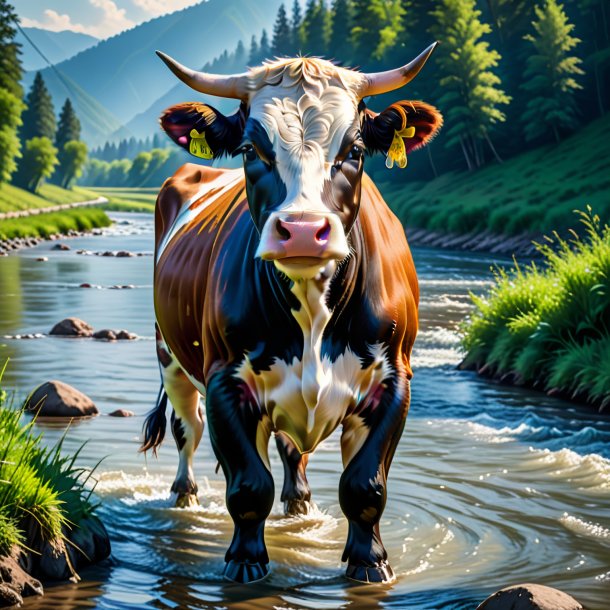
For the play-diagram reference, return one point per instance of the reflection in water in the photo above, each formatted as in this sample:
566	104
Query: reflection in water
490	485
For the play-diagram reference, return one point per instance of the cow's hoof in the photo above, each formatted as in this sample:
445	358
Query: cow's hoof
186	500
245	572
380	573
297	507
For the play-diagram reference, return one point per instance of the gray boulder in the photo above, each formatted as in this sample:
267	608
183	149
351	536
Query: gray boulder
530	597
58	399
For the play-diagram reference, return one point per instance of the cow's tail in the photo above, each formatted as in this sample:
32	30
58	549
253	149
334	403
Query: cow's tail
153	431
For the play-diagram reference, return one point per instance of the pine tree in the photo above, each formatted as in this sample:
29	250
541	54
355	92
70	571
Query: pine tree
550	74
470	90
253	57
378	25
295	26
264	49
239	57
39	115
69	125
315	28
281	45
340	31
10	63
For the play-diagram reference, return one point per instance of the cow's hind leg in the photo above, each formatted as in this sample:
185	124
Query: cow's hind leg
240	432
368	443
296	494
187	425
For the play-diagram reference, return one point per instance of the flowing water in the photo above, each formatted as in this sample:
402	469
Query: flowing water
490	485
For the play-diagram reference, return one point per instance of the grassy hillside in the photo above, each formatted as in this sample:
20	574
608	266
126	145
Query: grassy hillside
123	199
534	192
549	327
13	198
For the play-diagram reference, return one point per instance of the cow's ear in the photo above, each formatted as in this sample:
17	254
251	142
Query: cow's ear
413	123
202	130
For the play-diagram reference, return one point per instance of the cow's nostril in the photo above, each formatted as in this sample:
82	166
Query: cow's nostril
324	232
282	231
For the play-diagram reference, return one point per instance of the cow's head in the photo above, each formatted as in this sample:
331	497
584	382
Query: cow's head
302	129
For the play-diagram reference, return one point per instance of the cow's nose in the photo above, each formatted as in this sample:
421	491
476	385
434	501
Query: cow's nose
311	235
300	233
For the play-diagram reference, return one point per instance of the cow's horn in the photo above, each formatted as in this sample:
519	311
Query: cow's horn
234	85
382	82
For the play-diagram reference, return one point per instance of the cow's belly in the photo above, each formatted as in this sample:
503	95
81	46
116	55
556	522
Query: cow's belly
308	402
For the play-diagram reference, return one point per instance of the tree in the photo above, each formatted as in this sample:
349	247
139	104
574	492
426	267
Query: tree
38	162
10	120
282	36
340	31
69	125
315	28
39	116
264	50
470	90
550	74
139	169
378	25
253	57
72	158
295	26
239	57
10	63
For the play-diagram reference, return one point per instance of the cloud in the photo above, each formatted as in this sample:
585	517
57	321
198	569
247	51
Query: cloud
111	21
161	7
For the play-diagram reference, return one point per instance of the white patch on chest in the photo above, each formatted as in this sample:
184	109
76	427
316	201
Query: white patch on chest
309	397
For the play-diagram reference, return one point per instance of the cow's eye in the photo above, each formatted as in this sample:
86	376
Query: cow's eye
355	153
248	151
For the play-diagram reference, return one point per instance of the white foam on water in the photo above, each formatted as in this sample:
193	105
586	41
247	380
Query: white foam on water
490	435
445	301
425	358
438	336
454	282
591	472
585	528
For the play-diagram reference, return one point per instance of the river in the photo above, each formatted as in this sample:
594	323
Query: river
490	485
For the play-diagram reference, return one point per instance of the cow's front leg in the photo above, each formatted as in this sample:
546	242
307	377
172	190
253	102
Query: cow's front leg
240	432
296	494
368	443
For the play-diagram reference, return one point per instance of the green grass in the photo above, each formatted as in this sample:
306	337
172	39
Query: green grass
44	225
549	325
534	192
39	487
128	199
13	198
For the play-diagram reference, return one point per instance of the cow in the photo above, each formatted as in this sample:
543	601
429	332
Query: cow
285	293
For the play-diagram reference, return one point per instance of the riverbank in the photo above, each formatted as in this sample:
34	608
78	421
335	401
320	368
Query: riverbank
547	327
531	194
48	526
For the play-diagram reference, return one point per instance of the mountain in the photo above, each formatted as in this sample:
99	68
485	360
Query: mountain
57	46
124	75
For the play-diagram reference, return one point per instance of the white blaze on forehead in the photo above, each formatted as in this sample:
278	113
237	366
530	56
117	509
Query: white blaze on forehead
306	107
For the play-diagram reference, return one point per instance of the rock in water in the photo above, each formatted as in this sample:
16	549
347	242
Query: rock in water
58	399
15	583
121	413
72	327
105	335
530	597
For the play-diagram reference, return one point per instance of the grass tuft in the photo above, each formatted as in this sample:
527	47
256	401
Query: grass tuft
550	324
38	486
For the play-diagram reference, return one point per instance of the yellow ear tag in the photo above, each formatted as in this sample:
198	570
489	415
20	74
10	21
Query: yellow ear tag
199	145
397	151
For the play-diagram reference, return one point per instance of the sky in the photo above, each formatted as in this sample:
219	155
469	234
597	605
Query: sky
99	18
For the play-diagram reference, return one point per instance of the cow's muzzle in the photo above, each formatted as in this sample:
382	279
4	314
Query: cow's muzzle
303	238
